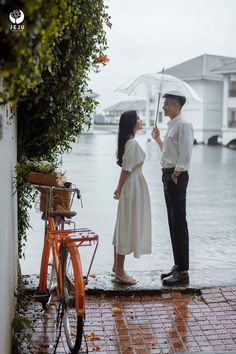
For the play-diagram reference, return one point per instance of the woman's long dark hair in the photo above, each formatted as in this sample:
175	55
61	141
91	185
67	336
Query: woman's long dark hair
127	123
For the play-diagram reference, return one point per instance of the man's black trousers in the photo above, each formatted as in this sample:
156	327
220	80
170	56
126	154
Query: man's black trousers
175	197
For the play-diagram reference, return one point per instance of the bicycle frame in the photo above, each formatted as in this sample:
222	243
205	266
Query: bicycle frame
72	238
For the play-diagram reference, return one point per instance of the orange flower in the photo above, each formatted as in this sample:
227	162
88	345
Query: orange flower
102	59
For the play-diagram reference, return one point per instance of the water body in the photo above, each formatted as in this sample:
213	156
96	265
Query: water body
211	205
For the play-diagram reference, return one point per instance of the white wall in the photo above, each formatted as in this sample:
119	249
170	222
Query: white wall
207	116
193	111
228	133
214	106
8	226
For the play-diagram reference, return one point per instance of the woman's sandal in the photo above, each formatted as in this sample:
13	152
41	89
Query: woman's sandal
125	279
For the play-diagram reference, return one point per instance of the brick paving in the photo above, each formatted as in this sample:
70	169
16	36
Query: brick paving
167	322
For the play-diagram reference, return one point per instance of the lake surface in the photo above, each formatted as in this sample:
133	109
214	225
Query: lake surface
211	205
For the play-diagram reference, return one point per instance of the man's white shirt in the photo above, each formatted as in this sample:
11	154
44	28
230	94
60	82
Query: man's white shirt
178	144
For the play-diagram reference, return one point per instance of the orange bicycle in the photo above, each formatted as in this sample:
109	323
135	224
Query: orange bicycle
61	269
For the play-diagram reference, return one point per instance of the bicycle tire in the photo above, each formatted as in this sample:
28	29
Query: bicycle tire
72	293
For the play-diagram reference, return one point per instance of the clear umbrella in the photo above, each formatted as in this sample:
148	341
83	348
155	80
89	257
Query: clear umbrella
159	84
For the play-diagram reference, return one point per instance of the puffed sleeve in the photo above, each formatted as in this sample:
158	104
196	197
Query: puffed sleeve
133	155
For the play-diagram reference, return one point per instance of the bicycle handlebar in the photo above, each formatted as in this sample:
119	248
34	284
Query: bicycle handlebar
65	189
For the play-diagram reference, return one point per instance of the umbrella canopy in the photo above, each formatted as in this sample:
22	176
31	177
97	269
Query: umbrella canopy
158	83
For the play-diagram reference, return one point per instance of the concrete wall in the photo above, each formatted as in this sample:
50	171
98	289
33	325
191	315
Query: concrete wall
8	226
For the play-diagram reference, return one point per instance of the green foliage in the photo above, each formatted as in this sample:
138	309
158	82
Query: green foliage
45	69
35	165
22	329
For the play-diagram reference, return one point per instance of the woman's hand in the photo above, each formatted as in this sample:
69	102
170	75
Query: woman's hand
117	194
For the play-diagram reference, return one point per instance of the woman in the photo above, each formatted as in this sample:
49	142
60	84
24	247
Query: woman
133	225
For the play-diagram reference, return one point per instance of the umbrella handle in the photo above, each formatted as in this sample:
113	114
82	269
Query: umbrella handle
157	111
159	99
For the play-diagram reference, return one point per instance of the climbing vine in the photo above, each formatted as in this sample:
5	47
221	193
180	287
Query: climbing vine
45	68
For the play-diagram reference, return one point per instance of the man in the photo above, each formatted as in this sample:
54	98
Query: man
175	160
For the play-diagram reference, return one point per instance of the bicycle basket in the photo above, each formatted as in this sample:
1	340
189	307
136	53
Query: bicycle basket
61	200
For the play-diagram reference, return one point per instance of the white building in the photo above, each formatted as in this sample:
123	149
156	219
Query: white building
207	116
228	71
113	113
8	222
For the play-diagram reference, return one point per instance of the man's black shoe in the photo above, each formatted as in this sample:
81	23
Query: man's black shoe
176	278
165	275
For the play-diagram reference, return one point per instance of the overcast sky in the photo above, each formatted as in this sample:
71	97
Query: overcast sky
147	35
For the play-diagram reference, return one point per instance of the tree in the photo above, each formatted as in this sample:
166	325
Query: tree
45	68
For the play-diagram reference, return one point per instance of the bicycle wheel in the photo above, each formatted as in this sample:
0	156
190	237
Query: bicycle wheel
51	284
73	297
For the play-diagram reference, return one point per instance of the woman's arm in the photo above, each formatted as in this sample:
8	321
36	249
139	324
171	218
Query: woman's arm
123	176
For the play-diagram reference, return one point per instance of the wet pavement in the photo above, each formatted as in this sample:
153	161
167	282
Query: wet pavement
150	283
168	321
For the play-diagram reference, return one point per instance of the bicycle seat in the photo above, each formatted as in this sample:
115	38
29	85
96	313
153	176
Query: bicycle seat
63	213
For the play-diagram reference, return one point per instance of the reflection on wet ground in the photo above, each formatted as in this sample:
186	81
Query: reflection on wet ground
166	323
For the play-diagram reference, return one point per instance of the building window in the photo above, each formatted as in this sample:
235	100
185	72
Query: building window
232	86
232	118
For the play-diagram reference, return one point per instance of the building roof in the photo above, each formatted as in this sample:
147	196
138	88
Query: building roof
227	68
127	105
199	68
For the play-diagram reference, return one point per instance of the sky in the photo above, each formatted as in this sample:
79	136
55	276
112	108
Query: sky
147	35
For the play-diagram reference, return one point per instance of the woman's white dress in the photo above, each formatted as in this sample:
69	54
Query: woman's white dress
133	224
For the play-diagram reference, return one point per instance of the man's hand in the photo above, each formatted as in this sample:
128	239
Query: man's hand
174	179
155	133
156	136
